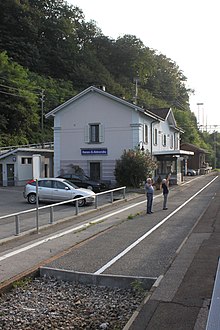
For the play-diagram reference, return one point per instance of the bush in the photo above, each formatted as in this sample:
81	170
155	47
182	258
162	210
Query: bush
133	167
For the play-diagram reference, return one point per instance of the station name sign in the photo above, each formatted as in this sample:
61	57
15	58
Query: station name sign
97	151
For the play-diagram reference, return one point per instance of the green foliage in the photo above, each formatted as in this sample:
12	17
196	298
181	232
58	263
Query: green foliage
47	48
187	121
23	283
133	168
138	286
213	147
19	104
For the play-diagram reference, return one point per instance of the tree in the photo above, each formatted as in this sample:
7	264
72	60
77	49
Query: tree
51	47
133	167
18	103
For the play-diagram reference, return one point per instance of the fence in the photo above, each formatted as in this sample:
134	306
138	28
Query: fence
51	207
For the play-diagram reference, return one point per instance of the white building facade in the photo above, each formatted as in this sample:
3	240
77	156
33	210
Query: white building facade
16	165
92	129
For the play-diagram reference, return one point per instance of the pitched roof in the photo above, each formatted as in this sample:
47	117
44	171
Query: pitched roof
93	89
192	147
162	112
167	114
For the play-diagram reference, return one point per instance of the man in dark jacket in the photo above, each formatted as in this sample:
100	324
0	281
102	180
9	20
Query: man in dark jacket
165	187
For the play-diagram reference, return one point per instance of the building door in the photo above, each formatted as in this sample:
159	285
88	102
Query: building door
95	171
10	175
46	171
1	175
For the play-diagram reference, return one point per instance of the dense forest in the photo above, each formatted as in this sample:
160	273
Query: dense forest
49	53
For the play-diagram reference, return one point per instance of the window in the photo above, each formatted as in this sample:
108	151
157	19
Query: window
176	141
155	136
171	141
164	140
145	138
59	185
94	133
45	183
26	160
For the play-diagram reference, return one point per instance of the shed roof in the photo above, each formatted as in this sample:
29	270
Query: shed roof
192	147
17	150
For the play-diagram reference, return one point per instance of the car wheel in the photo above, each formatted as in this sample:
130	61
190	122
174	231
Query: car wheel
81	202
90	187
189	174
32	198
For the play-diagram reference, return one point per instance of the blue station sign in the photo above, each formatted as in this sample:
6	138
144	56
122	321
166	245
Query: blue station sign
96	151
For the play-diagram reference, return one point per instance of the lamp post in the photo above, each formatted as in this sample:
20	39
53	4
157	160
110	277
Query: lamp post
198	117
141	148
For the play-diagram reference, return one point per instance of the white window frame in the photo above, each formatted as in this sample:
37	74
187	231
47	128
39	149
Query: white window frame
145	133
155	136
26	160
171	141
89	135
164	140
176	141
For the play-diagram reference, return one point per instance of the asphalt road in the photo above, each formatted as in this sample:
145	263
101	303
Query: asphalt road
115	229
12	202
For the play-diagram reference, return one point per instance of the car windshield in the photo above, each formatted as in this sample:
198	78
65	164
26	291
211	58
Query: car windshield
71	184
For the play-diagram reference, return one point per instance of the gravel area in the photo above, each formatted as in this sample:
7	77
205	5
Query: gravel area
45	303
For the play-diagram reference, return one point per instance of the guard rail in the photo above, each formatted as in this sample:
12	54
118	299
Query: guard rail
51	207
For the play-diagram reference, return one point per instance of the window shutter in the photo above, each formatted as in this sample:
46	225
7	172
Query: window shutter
101	133
86	134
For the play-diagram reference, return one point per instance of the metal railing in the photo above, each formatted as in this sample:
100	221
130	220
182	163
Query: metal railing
44	145
213	322
51	208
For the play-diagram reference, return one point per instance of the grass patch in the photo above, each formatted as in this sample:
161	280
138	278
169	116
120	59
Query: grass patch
137	286
22	283
132	216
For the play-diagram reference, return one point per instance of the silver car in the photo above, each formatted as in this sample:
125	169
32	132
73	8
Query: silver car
56	190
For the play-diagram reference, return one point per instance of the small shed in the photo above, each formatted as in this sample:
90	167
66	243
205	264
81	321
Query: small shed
16	165
198	160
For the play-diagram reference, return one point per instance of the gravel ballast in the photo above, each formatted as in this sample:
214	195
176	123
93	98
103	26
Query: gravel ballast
45	303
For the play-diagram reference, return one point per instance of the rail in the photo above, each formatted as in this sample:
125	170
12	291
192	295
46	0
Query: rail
51	207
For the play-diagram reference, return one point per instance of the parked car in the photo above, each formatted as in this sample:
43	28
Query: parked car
83	181
56	190
191	172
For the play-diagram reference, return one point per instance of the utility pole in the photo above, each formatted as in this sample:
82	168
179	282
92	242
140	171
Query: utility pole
215	142
136	79
42	95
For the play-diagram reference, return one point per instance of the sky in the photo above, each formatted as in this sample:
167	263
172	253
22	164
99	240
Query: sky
186	31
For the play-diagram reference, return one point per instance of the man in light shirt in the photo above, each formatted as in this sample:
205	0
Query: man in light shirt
149	190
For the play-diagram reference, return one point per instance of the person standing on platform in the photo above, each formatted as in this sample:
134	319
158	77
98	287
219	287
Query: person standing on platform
165	187
149	190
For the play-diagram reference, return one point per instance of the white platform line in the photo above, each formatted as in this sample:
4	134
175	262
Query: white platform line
66	232
130	247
